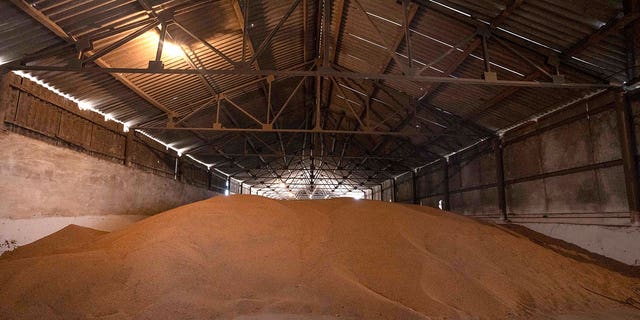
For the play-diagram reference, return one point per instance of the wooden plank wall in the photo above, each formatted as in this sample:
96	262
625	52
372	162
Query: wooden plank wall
33	110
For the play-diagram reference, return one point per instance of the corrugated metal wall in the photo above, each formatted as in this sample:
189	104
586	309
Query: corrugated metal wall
404	188
564	167
386	191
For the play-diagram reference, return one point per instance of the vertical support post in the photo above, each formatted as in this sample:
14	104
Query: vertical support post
629	162
241	187
218	105
625	115
245	22
229	184
128	148
447	194
209	173
485	54
500	186
414	178
163	34
488	75
394	194
270	79
4	95
305	28
176	169
317	125
326	32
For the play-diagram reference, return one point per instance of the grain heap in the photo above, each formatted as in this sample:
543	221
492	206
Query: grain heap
248	257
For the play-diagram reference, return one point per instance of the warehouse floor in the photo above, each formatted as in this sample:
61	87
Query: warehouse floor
249	257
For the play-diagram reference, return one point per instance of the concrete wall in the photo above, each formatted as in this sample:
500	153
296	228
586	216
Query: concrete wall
563	175
61	165
30	109
567	165
39	179
615	242
42	184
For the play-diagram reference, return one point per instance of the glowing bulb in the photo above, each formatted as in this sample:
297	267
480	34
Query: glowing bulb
171	50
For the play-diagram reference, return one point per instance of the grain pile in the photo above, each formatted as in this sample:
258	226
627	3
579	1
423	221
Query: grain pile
248	257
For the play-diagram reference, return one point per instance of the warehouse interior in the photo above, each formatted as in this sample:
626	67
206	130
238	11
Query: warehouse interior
518	116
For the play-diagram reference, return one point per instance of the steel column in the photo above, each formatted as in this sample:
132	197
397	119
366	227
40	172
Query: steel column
128	148
485	54
624	107
176	169
628	149
394	193
500	186
4	95
447	194
414	176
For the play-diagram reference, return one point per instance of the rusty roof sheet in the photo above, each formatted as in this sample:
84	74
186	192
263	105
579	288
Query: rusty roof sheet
366	35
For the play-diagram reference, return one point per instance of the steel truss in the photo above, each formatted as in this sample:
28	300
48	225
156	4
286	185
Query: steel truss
318	159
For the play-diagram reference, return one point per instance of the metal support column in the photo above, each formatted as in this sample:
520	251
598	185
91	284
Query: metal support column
414	178
485	54
209	173
128	148
176	169
500	186
4	95
629	161
394	194
624	105
447	194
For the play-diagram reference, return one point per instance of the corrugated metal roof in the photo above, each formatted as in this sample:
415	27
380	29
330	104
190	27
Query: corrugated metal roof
366	35
15	42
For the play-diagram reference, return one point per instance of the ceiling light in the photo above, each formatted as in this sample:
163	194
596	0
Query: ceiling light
171	50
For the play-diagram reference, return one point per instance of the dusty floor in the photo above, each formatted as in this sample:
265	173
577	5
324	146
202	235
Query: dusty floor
247	257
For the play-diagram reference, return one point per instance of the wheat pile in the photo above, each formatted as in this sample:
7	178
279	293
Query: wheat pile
248	257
